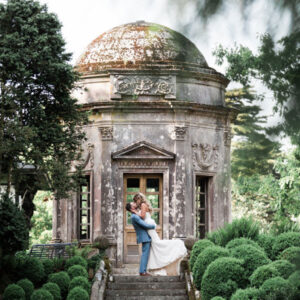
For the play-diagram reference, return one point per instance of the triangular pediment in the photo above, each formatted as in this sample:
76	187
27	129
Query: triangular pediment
143	150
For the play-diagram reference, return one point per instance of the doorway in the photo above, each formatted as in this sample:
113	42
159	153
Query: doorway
151	186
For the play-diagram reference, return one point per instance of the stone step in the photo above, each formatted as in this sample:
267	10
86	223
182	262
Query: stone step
160	285
126	271
139	293
134	279
148	298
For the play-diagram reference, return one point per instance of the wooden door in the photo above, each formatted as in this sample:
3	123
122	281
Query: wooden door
151	186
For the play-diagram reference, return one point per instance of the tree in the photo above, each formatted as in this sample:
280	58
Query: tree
40	123
252	151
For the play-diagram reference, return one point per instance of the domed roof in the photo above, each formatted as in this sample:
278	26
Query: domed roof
141	45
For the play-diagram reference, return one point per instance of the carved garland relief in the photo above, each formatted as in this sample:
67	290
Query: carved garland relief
144	85
205	156
106	133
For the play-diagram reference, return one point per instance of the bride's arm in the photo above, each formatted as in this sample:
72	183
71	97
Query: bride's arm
143	210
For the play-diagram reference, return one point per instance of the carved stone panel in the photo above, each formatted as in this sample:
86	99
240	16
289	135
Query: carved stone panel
180	132
143	85
227	137
106	133
205	156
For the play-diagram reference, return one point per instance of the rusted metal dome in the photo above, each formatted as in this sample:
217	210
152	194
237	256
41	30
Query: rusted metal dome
141	46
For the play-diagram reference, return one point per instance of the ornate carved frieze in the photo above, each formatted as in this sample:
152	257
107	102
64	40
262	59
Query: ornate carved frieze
143	85
106	133
227	137
142	163
205	156
180	132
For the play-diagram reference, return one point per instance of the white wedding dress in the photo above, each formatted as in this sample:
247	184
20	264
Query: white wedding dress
163	252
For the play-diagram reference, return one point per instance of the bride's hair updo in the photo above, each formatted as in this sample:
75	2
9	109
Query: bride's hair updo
142	197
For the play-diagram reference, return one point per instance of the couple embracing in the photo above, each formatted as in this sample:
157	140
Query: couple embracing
160	257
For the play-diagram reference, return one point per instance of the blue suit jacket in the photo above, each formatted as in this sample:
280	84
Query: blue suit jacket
141	228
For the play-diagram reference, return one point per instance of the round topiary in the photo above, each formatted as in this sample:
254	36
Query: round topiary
54	290
76	260
31	268
62	279
246	294
80	281
284	241
198	247
242	241
77	270
252	257
41	294
292	254
13	292
284	267
277	288
294	279
27	286
261	274
222	278
266	241
78	293
48	266
207	256
217	298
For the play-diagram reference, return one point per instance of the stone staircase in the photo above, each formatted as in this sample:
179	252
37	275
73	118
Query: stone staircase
124	284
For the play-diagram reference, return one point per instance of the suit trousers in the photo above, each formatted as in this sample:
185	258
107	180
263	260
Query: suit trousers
145	256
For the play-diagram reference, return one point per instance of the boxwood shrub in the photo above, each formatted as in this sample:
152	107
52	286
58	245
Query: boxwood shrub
277	288
27	286
78	293
54	290
207	256
246	294
77	270
62	279
48	266
218	298
284	267
198	247
261	274
80	281
242	241
76	260
252	257
266	241
41	294
292	254
31	268
222	278
284	241
294	279
13	292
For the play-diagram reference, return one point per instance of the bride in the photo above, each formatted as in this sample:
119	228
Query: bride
165	255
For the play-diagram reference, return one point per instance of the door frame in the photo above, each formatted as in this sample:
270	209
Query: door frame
164	171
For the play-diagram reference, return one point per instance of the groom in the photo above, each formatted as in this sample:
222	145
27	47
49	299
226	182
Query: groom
142	236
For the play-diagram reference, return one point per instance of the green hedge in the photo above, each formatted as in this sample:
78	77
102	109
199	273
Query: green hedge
292	254
13	292
78	293
246	294
277	288
284	241
284	267
77	270
242	241
48	266
62	279
207	256
53	289
294	279
251	256
76	260
81	282
222	278
41	294
27	286
261	274
198	247
266	241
